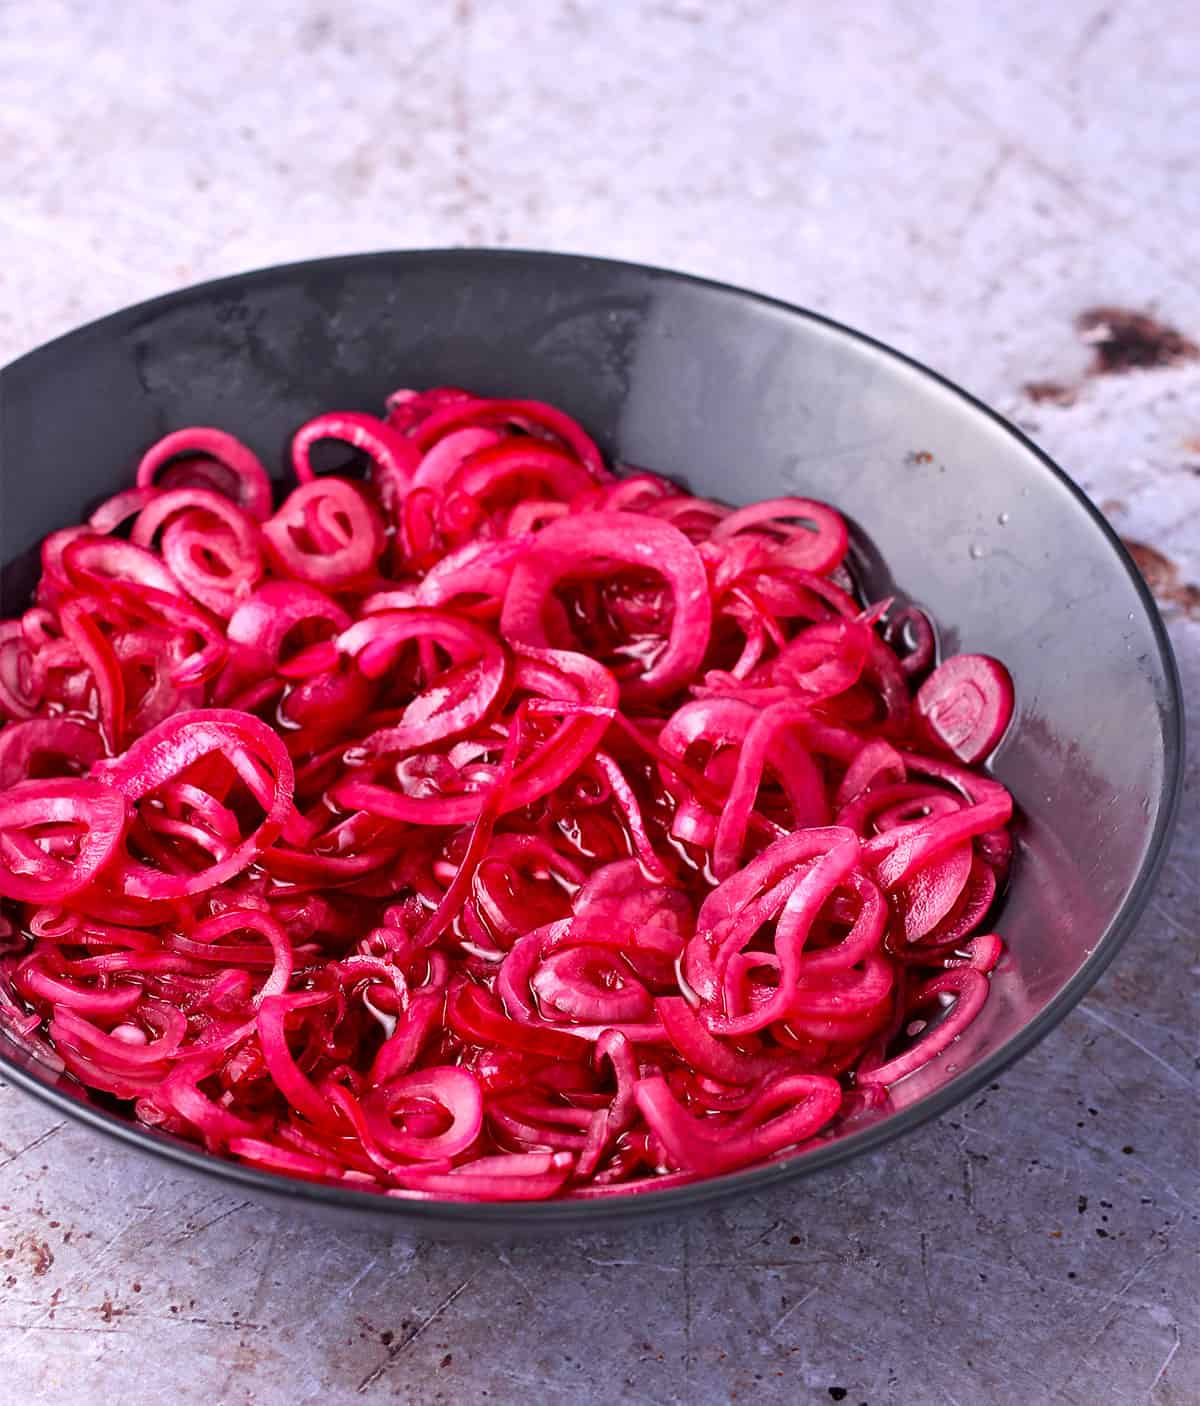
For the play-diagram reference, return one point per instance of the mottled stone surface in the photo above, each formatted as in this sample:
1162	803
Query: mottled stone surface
962	181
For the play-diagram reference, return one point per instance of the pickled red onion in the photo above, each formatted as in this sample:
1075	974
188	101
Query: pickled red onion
486	827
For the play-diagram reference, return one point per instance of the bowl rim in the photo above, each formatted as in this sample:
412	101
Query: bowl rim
518	1217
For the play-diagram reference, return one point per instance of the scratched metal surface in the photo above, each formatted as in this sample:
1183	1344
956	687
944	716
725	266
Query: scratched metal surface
962	184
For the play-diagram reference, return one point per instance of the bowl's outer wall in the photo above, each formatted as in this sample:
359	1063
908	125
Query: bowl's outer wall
741	398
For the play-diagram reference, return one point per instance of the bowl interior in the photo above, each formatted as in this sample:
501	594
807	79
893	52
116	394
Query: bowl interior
740	398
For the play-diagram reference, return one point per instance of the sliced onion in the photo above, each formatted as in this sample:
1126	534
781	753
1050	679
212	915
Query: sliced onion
464	833
966	705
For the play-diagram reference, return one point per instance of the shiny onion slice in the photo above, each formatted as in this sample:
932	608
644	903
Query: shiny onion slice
452	702
47	747
327	533
393	459
56	836
227	746
818	544
459	411
596	543
210	545
201	457
485	827
966	705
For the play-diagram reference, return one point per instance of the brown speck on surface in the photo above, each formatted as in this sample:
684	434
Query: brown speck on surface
447	1360
918	456
1125	340
137	1288
1050	392
106	1311
1161	574
43	1257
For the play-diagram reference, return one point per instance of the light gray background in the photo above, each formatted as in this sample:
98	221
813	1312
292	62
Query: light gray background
958	179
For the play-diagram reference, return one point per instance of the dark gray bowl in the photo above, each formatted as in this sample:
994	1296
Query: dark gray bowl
742	398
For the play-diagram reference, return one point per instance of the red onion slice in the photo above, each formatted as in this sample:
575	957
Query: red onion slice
966	705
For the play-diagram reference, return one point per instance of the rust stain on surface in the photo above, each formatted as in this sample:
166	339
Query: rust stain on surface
38	1253
1163	577
1125	340
1122	340
1050	392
